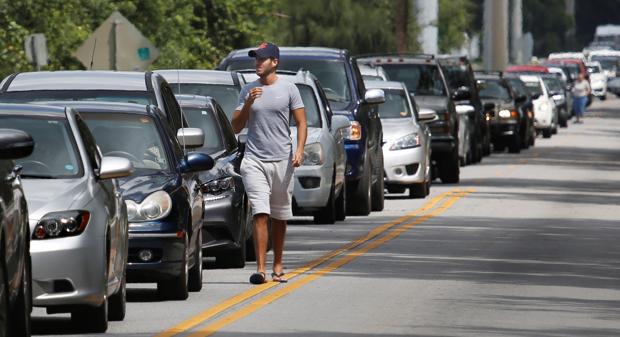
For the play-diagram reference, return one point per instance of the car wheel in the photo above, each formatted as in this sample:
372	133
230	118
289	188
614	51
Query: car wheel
341	204
117	305
176	288
327	215
360	201
515	144
602	98
92	319
418	191
378	193
232	258
194	282
449	169
546	133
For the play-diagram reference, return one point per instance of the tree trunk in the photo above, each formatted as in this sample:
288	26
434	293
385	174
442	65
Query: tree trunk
401	8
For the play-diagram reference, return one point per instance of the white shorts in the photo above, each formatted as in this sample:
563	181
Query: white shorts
269	186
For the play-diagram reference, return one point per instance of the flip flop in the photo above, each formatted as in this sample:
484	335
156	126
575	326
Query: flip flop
257	278
278	278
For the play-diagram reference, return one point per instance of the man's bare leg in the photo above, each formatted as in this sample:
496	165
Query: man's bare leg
261	238
278	232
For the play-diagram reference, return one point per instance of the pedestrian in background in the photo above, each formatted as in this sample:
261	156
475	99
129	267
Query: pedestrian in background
581	91
265	106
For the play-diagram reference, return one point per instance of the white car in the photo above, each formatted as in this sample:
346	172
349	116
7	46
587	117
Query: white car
568	55
545	111
319	187
372	72
598	79
609	60
406	141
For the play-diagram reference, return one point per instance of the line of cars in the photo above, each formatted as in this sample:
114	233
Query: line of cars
134	177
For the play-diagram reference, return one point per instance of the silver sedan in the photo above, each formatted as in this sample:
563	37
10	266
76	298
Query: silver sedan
406	141
78	220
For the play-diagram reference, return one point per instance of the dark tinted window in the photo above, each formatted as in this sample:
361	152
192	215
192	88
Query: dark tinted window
226	95
456	76
226	128
493	89
138	97
534	87
55	153
421	79
204	118
396	105
313	113
518	87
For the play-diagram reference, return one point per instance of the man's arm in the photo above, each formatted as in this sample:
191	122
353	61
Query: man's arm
240	117
302	134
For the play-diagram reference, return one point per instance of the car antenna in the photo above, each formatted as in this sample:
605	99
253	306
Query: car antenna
92	57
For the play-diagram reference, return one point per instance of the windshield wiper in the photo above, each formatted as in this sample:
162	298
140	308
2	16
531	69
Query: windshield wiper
38	176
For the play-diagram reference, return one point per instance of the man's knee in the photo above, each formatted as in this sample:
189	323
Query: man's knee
261	218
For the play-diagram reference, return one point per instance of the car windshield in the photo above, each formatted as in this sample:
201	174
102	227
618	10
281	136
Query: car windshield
553	84
331	73
534	87
226	95
517	86
204	118
421	79
138	97
55	154
608	63
456	76
493	89
593	69
396	104
313	112
130	136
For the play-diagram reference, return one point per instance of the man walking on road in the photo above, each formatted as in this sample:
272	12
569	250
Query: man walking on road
266	106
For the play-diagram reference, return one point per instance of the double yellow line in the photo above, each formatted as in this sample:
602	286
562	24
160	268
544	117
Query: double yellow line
353	250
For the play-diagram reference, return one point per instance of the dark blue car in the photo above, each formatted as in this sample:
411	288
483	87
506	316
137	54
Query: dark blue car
163	195
344	87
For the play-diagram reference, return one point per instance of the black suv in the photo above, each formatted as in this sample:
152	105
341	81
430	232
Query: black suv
525	104
500	104
460	77
344	87
425	79
15	266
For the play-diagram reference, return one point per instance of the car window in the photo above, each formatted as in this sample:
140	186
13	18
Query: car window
138	97
226	128
534	87
325	103
130	136
55	154
173	111
456	76
313	113
396	105
205	119
518	87
226	95
89	142
421	79
493	89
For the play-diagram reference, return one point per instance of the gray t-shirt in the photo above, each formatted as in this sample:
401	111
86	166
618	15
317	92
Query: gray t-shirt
269	133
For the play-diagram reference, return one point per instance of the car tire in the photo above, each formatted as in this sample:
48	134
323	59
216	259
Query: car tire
360	200
546	133
176	287
327	214
194	281
449	169
341	204
233	258
117	304
92	319
378	193
602	98
515	143
418	191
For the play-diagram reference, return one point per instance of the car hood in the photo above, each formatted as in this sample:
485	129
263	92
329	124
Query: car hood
52	195
394	128
314	136
137	187
437	103
224	167
597	77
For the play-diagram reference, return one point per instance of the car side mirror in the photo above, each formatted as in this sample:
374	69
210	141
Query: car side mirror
489	106
15	144
521	99
340	122
462	94
197	161
191	137
115	167
374	96
427	115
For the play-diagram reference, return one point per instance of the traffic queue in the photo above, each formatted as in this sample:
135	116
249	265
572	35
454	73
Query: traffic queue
117	177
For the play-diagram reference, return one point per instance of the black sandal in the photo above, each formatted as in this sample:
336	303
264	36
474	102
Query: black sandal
258	278
278	277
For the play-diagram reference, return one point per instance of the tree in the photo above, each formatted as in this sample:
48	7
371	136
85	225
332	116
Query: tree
455	20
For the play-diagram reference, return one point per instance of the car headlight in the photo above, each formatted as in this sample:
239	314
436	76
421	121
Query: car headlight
355	131
508	113
407	142
313	154
61	224
218	186
154	207
544	106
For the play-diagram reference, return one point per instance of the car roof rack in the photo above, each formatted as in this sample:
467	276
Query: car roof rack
490	72
399	55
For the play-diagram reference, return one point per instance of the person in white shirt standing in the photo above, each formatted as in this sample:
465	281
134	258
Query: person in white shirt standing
265	107
581	90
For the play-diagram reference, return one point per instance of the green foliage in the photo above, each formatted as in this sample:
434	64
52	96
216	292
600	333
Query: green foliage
549	23
455	19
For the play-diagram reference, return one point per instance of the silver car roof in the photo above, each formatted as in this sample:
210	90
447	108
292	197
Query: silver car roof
384	85
32	110
305	51
79	80
198	76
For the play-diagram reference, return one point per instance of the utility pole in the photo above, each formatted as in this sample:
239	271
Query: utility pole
401	8
495	34
570	33
516	45
427	16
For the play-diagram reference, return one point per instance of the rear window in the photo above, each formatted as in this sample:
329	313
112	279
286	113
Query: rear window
493	89
313	112
226	95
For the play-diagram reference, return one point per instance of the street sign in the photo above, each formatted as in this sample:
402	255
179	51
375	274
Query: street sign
36	50
117	45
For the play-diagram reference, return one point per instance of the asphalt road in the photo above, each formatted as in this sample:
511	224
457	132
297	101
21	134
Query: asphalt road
525	245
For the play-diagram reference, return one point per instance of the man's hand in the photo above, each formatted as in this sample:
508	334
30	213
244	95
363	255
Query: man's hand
254	94
298	158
